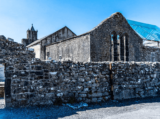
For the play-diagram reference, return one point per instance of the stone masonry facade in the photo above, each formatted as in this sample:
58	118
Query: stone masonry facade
10	54
57	36
30	81
112	40
135	80
77	49
102	68
45	83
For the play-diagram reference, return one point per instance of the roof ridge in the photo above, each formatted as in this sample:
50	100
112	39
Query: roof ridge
48	35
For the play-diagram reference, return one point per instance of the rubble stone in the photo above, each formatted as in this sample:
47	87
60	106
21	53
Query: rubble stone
30	81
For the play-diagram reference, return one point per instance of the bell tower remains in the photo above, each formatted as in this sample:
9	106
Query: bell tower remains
31	36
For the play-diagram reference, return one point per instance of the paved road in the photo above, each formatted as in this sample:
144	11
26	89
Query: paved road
137	111
128	109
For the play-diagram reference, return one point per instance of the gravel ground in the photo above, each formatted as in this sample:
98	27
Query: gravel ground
148	108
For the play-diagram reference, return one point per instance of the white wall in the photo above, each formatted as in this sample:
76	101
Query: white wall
150	43
37	49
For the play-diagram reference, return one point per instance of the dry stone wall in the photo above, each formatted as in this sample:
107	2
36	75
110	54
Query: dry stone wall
44	83
11	53
41	83
135	79
30	81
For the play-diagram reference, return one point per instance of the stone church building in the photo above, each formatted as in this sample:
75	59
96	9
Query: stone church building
114	39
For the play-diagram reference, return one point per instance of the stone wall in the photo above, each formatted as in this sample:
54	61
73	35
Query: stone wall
12	51
30	81
135	80
10	54
76	49
41	83
112	40
45	83
126	45
102	49
57	36
151	54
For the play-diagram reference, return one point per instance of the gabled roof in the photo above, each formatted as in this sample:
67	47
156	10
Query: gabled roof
39	40
118	14
146	31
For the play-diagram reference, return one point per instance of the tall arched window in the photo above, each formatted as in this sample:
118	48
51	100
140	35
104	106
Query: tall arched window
114	46
119	47
122	48
126	48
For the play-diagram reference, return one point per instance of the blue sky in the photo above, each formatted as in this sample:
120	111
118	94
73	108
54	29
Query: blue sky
47	16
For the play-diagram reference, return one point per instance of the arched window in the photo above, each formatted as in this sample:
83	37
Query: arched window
114	46
126	48
121	48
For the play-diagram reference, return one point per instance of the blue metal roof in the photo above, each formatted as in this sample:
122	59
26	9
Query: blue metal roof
146	31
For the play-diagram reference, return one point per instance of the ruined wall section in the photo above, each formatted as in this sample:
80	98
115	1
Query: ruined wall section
101	39
40	83
135	80
13	51
10	54
76	49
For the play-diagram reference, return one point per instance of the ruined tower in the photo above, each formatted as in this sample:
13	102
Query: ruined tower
31	36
